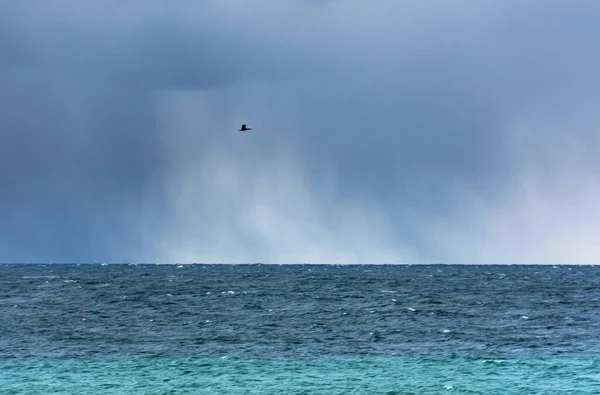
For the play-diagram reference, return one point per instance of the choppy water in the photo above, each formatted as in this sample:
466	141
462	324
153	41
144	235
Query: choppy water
299	329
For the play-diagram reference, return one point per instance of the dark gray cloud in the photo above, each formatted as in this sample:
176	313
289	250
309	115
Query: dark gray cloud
117	124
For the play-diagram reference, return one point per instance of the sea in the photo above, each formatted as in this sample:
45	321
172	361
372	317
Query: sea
299	329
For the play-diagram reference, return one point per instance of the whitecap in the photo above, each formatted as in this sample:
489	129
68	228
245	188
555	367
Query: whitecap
40	276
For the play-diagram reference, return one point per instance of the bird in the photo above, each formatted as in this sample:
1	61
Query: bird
244	128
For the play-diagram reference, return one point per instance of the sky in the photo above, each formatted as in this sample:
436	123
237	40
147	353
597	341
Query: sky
387	131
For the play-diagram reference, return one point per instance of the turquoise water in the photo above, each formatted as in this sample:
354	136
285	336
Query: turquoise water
365	375
299	329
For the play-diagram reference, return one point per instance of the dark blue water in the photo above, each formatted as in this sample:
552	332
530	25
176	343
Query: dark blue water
238	324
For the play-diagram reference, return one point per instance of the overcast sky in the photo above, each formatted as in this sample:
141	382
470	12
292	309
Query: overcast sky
383	131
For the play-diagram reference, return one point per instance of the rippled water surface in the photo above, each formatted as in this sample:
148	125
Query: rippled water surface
299	329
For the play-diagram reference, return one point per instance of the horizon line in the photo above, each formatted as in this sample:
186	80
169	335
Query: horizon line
296	264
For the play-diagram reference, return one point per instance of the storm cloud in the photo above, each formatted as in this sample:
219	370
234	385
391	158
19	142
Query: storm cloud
383	131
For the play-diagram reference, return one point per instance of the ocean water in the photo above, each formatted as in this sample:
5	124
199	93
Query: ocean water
299	329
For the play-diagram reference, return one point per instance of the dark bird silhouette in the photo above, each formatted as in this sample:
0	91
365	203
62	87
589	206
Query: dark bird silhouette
244	128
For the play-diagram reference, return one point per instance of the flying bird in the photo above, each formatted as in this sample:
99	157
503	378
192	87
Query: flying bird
244	128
